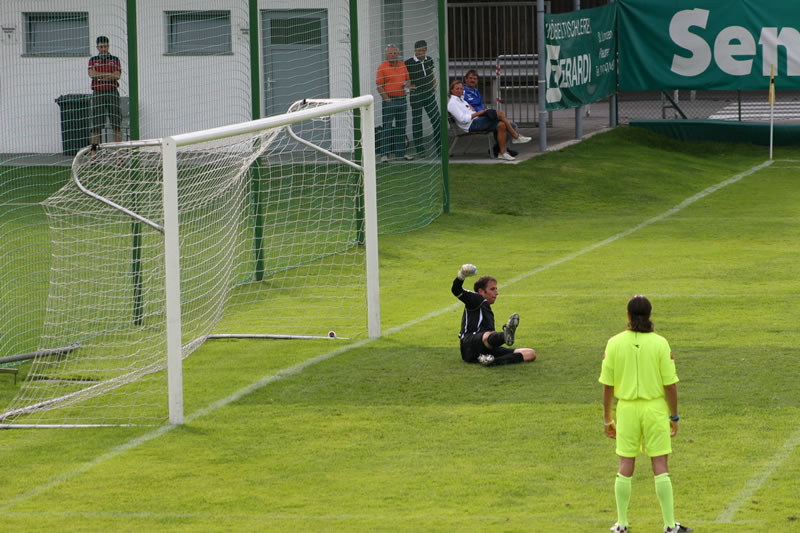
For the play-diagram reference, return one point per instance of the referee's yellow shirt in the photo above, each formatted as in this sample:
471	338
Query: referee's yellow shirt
638	365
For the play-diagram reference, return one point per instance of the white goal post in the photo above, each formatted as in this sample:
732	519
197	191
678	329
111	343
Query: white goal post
170	146
266	228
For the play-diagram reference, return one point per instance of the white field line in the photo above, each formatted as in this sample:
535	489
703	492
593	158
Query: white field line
220	519
649	295
683	205
296	369
119	450
757	481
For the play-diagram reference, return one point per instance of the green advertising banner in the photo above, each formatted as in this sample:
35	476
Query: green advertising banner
581	57
708	44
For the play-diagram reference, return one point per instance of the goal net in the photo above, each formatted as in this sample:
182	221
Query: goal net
265	228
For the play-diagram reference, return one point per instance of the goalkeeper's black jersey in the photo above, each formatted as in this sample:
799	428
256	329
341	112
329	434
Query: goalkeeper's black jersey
478	315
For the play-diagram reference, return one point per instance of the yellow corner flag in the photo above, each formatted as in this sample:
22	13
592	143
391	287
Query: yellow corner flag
772	84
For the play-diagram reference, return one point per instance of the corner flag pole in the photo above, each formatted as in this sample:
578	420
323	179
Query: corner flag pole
771	106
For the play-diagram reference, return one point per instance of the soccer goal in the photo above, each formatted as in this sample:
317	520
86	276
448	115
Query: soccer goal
261	229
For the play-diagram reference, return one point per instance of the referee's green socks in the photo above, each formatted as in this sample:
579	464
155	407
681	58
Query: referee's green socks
664	494
622	490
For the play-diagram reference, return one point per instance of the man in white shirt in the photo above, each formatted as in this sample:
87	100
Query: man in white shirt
469	120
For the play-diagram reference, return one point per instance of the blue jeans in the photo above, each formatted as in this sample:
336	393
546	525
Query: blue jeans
394	126
484	123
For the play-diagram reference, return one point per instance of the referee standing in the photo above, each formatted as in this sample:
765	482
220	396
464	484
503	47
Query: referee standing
639	370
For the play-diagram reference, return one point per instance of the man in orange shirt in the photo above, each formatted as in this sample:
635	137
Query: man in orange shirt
393	83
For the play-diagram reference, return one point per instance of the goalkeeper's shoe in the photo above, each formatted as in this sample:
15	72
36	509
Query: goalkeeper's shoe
510	328
486	359
616	528
677	529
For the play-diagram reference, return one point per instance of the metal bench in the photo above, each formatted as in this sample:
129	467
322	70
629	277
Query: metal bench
4	370
457	133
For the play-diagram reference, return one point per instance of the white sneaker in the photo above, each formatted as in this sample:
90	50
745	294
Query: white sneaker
616	528
505	156
486	359
383	159
520	140
408	157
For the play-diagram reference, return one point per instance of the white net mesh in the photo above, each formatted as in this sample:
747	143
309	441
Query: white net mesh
410	195
186	68
270	243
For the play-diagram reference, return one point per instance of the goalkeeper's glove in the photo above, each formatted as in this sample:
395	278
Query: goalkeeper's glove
467	271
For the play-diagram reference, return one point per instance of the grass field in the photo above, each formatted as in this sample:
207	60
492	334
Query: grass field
398	434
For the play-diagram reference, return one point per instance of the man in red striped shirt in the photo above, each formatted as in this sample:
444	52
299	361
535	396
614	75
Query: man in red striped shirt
105	71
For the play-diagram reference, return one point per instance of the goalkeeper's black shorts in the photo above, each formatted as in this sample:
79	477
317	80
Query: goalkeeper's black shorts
472	346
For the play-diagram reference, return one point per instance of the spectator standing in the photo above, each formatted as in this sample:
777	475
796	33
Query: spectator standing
393	84
105	71
423	96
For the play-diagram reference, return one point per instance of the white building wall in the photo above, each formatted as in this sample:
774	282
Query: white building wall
183	93
29	86
178	93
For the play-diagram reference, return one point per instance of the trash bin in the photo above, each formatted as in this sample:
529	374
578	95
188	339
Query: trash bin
76	121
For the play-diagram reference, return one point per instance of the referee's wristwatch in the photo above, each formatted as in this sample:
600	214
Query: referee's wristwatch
675	418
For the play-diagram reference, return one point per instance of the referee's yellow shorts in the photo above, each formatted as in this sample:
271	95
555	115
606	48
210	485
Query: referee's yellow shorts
643	422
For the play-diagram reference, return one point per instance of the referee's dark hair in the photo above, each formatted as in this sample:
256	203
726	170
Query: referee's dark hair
102	40
639	309
482	282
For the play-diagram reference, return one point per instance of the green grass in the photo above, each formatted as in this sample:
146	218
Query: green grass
400	435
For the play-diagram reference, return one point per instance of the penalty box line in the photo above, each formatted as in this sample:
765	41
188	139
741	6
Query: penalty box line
755	483
296	369
680	207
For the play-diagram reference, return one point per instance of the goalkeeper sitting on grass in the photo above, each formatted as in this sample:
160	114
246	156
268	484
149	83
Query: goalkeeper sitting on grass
480	343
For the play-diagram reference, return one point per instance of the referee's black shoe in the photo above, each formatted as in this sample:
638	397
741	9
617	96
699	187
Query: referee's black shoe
678	529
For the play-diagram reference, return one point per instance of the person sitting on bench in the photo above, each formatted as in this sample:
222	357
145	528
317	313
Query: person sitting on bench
469	120
473	97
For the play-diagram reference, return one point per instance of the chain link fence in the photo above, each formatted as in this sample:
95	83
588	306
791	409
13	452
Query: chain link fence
740	106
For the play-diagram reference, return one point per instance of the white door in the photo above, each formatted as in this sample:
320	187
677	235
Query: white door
295	56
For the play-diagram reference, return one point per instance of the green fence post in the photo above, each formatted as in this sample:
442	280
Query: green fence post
356	83
444	90
255	99
133	106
